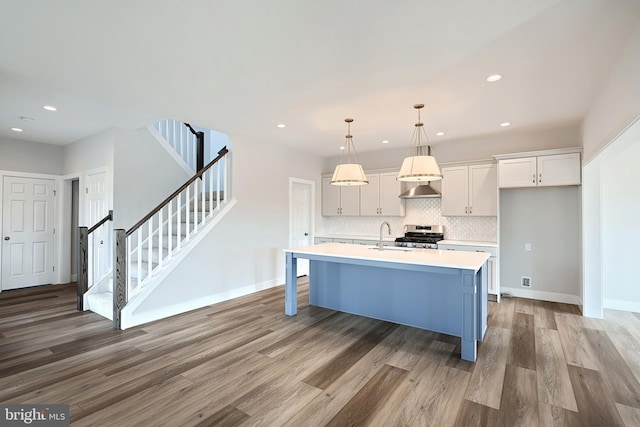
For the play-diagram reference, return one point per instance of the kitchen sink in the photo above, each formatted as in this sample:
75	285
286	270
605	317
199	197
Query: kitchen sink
390	248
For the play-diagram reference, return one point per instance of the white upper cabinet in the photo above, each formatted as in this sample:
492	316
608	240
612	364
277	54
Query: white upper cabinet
562	169
381	196
339	200
378	198
540	171
470	190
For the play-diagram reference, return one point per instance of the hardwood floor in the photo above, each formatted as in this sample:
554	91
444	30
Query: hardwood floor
243	362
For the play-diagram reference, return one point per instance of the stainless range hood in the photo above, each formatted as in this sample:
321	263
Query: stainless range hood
421	191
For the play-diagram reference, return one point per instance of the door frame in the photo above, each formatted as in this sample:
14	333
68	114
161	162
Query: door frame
57	215
312	207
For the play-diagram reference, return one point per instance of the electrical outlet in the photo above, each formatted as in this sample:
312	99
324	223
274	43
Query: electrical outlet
527	246
525	282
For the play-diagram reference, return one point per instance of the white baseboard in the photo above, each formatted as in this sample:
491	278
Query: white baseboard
542	295
133	319
616	304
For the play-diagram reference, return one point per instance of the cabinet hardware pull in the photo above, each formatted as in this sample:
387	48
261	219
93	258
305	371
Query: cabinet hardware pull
534	178
470	207
540	178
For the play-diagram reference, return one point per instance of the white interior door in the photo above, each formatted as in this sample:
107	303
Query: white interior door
300	220
27	232
97	199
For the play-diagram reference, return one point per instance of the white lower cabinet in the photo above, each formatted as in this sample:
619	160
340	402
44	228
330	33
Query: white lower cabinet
492	264
318	240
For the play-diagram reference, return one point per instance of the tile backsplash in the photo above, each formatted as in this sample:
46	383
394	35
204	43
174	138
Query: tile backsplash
419	211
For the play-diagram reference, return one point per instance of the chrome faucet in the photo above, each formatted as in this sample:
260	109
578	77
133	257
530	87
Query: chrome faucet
380	244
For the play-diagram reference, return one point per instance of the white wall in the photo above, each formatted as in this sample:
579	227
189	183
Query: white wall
244	252
144	174
25	156
615	108
618	102
95	151
548	219
620	216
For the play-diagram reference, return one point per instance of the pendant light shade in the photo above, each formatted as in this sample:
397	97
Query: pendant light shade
349	173
421	167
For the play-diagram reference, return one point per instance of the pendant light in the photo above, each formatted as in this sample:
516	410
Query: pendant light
421	167
349	173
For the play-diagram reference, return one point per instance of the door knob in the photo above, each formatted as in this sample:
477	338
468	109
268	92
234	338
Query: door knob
7	238
306	234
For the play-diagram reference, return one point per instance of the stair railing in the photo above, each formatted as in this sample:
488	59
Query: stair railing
84	268
142	250
184	139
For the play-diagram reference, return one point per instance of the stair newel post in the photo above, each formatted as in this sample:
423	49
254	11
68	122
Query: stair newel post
83	263
120	296
200	151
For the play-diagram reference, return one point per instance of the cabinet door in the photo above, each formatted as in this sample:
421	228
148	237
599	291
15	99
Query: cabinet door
369	203
491	276
560	169
517	172
483	190
390	188
330	198
350	200
455	191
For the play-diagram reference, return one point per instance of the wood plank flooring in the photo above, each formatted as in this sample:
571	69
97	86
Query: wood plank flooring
243	362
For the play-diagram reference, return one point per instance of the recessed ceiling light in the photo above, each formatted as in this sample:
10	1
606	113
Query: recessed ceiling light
494	78
342	148
440	133
385	141
281	125
49	108
505	124
17	129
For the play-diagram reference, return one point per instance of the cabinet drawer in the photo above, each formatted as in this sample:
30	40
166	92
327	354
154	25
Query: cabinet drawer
350	241
319	240
492	250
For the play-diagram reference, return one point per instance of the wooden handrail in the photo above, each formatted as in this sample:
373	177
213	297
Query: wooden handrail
109	217
166	201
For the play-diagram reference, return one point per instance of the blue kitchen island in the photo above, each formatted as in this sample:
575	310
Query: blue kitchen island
442	291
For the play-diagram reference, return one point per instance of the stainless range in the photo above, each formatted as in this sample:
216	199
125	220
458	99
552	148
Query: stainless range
421	236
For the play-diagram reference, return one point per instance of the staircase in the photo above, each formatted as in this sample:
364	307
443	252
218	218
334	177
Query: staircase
146	253
145	259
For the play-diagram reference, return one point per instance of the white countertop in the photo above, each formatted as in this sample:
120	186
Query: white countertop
427	257
468	243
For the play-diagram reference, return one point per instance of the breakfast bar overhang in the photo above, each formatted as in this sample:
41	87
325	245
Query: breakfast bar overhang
442	291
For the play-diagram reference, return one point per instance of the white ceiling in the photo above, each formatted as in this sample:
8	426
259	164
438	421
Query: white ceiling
243	66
